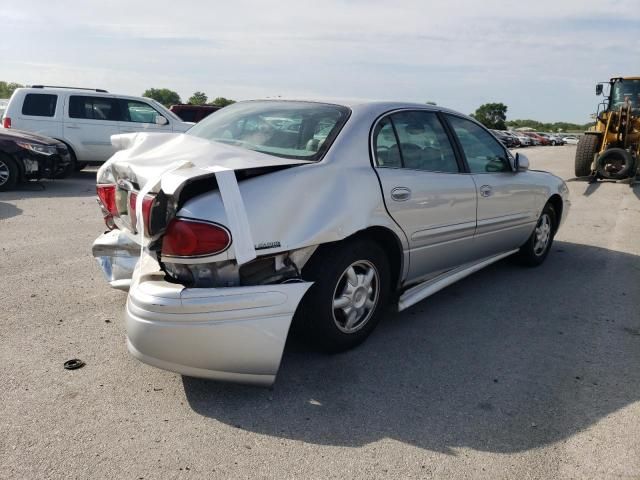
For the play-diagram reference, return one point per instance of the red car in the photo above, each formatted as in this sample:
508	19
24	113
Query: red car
538	139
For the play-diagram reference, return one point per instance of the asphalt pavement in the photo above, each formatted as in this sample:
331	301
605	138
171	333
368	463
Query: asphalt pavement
511	373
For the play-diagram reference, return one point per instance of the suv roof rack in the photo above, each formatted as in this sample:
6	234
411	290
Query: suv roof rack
72	88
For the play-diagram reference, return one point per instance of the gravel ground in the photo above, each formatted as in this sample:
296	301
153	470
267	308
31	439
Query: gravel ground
511	373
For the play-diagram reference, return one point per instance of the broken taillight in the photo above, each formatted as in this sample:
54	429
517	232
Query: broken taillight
107	197
147	206
194	238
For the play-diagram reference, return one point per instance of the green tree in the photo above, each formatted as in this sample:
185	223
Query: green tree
163	95
7	88
492	115
222	102
198	98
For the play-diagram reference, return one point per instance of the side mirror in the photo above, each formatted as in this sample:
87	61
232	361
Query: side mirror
599	88
160	120
520	163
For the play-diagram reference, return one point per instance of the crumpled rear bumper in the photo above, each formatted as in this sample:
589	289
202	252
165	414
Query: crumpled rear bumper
232	334
117	256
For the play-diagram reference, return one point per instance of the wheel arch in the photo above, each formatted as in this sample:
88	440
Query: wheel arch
19	164
556	202
391	244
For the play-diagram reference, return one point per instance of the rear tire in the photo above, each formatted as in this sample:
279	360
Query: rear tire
585	152
535	250
351	288
9	173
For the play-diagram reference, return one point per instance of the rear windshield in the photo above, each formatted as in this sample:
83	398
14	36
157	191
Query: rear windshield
296	130
39	104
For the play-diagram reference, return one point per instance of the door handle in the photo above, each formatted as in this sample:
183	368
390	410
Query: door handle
400	194
73	126
486	191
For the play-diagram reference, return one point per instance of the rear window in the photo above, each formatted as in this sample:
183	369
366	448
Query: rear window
296	130
94	108
39	104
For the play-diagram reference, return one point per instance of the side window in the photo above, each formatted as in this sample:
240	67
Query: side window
139	112
483	152
424	143
385	144
39	104
94	108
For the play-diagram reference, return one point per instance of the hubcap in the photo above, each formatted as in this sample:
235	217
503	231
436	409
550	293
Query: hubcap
356	296
4	173
543	234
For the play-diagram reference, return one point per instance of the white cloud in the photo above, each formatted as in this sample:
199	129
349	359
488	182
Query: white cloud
542	61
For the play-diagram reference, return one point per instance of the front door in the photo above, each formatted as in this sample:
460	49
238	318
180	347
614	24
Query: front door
506	204
141	117
425	191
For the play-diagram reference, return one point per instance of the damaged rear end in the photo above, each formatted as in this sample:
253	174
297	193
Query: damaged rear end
204	299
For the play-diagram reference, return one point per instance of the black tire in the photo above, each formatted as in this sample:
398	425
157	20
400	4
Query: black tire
9	173
585	151
616	154
530	255
316	321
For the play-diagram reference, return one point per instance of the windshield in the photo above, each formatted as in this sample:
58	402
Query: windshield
624	91
296	130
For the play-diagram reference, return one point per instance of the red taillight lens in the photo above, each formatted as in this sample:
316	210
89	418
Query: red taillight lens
6	122
107	197
191	238
147	205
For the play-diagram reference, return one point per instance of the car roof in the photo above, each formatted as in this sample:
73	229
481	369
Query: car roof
77	91
359	104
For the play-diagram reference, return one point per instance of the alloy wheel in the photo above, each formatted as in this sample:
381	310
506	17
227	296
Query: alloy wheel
356	296
543	234
5	173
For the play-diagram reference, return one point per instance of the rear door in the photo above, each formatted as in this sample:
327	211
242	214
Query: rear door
506	199
140	116
90	122
425	190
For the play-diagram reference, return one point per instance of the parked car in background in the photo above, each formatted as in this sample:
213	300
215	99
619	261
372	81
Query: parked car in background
570	140
27	156
537	139
85	119
552	139
506	139
272	212
522	139
193	113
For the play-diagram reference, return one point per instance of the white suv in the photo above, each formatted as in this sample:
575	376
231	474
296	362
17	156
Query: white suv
85	119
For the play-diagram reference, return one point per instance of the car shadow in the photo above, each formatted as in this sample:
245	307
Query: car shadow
79	184
8	210
506	360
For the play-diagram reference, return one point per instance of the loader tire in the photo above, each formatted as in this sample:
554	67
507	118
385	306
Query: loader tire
585	151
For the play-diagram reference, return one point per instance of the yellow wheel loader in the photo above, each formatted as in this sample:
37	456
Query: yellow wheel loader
611	149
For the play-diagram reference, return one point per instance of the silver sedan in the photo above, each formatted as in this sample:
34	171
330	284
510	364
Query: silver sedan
312	216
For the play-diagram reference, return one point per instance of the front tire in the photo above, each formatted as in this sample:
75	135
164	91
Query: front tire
351	288
9	174
537	247
585	153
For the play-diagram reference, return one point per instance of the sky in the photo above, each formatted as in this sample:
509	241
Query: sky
542	59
